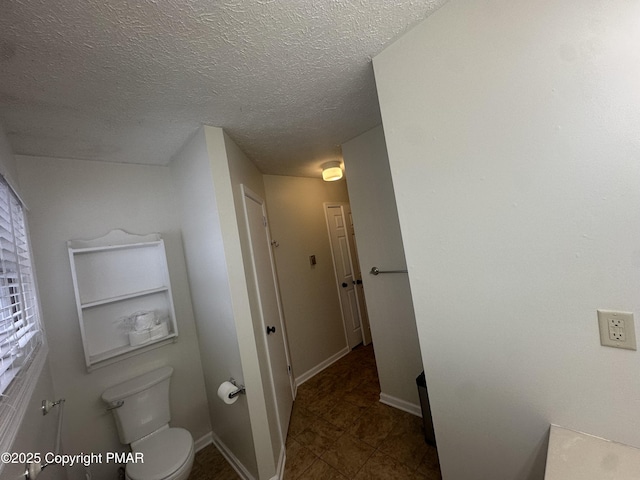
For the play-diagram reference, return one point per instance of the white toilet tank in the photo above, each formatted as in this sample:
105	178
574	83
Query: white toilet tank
145	406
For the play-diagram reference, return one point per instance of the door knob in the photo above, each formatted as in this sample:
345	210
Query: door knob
271	330
344	285
359	282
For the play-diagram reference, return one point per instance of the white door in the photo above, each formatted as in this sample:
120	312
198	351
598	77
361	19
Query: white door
270	308
355	260
345	273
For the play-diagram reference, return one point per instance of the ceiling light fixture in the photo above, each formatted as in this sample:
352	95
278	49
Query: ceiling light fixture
331	171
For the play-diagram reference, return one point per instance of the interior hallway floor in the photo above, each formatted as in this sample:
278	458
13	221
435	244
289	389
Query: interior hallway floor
340	430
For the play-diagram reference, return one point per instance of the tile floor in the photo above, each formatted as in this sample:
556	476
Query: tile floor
209	464
340	430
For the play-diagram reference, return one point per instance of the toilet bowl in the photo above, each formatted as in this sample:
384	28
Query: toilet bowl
168	455
140	408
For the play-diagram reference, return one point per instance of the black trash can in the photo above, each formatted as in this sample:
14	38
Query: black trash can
429	434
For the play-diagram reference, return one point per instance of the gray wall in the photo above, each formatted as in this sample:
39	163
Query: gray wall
71	199
309	293
37	433
211	297
389	302
241	171
512	130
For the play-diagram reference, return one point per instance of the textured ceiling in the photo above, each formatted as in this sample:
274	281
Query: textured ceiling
130	81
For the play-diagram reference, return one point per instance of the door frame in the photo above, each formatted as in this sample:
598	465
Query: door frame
362	302
325	207
248	194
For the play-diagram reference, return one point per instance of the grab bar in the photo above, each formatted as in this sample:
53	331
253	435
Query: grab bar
377	271
33	469
47	405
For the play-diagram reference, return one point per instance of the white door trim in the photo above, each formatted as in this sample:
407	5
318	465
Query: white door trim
249	194
326	207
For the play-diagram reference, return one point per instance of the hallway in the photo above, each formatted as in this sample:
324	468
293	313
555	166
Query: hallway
340	430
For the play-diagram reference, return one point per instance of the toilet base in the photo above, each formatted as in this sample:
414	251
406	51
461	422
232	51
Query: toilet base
181	474
154	449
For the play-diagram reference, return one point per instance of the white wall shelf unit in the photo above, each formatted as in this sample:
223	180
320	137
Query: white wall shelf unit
115	277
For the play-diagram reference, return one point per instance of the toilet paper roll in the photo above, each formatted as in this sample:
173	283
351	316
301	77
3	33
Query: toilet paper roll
224	390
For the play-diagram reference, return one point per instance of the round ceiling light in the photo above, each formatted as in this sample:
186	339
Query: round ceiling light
331	171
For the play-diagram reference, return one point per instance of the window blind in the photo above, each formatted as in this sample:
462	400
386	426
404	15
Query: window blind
20	331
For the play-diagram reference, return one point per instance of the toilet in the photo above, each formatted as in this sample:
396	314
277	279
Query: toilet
140	407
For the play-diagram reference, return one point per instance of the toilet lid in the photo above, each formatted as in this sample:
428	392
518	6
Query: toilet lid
164	453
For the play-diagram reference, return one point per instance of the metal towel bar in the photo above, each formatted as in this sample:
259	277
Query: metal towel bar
377	271
33	469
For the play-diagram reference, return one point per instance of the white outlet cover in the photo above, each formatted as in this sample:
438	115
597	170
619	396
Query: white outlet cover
608	317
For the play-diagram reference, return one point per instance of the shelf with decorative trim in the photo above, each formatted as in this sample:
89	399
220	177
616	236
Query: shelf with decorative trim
116	277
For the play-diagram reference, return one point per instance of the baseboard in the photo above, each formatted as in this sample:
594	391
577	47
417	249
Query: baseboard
231	458
403	405
203	441
321	366
211	438
281	461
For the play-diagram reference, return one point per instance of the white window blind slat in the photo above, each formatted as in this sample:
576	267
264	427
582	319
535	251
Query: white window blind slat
24	351
6	329
7	349
10	338
19	342
6	326
11	325
7	377
4	210
24	339
19	316
6	337
5	364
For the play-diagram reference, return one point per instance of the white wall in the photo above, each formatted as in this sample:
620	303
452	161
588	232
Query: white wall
228	168
211	297
7	160
239	170
81	199
512	130
309	294
37	433
389	302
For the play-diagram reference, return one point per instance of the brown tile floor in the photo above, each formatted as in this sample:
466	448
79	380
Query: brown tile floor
209	464
340	430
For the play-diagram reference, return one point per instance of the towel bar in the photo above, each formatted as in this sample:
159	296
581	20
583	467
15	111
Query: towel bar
377	271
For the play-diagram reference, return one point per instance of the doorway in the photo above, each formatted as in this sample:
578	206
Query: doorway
347	273
270	309
304	260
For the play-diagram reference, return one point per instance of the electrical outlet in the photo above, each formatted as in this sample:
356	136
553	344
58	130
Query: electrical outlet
617	329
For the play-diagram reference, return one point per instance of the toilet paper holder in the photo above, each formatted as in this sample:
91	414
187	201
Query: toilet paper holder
240	389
